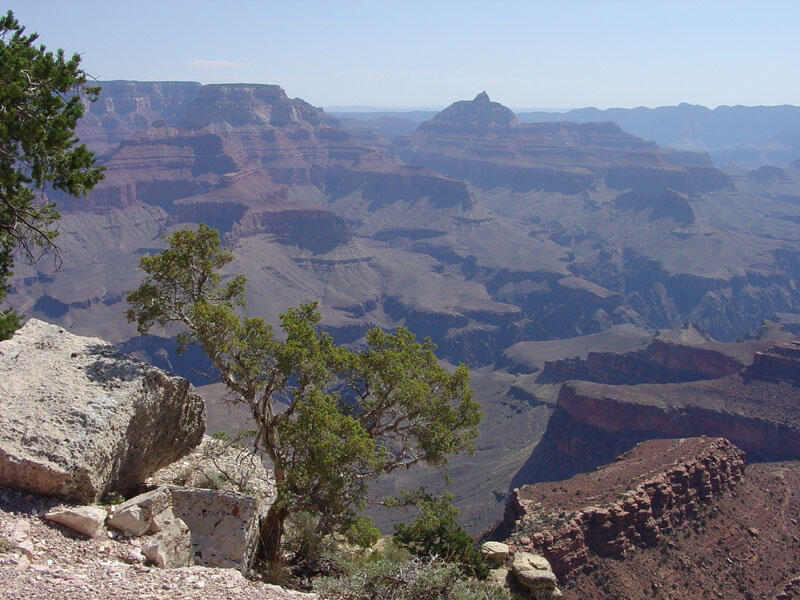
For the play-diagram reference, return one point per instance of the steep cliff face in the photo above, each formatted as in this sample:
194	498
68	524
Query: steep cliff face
661	362
158	167
779	363
756	409
319	231
125	108
698	286
651	490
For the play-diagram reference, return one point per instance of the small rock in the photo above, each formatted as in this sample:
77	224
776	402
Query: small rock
494	552
87	520
26	548
753	531
22	529
132	556
23	562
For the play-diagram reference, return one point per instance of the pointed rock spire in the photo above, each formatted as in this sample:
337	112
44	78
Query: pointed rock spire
478	113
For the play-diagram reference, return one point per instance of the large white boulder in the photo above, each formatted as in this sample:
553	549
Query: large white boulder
79	419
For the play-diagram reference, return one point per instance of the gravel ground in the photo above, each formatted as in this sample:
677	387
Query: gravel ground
43	560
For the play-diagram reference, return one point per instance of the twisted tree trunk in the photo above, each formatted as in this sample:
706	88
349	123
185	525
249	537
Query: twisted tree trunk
270	535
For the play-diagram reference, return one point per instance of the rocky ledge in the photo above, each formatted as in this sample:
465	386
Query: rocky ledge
652	489
779	363
756	409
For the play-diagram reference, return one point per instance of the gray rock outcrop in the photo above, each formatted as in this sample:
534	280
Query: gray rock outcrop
224	525
78	419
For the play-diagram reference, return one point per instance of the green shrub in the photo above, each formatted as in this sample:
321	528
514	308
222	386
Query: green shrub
362	532
435	532
417	579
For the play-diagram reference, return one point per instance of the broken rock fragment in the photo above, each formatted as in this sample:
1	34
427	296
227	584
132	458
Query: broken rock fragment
86	520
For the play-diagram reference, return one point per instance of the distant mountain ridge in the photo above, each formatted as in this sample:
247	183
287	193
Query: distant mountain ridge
750	136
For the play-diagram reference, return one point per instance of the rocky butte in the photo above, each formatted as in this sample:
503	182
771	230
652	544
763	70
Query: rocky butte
754	407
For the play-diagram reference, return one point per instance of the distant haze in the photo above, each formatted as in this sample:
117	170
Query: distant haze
418	54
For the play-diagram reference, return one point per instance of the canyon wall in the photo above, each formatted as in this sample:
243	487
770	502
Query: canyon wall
651	490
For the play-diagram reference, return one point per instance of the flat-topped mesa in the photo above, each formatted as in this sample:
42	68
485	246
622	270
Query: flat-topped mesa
479	113
317	230
664	360
250	104
654	488
781	362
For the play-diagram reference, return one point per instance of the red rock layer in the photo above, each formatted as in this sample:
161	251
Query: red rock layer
660	362
781	362
654	488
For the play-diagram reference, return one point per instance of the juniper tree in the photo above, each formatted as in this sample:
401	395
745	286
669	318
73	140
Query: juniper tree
41	100
329	418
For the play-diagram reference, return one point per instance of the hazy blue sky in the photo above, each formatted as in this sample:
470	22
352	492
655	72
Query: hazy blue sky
430	53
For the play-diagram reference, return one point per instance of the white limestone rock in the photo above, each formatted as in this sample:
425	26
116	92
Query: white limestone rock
86	520
534	573
138	515
224	525
494	552
79	419
171	547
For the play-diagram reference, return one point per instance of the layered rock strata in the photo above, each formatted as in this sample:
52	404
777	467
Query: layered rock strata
660	362
651	490
79	419
756	408
779	363
484	142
